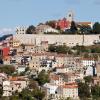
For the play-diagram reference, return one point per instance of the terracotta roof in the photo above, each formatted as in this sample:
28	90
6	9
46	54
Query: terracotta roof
54	77
84	23
16	79
70	86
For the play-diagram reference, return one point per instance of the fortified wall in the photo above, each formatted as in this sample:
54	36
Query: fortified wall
69	40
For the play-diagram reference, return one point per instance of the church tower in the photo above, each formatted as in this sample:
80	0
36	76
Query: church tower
70	16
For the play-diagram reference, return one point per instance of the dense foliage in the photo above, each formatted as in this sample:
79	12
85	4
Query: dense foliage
73	28
95	90
43	78
50	23
59	49
86	51
84	90
8	69
96	28
30	30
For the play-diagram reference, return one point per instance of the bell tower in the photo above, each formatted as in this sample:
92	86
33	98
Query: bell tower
70	16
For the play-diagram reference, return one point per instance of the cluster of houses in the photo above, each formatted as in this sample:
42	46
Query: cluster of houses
12	84
65	70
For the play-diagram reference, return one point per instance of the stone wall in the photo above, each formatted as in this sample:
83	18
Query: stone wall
70	40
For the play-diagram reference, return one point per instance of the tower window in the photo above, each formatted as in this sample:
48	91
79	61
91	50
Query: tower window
69	15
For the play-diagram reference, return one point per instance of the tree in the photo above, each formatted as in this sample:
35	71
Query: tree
8	69
59	49
84	29
83	90
38	94
68	98
86	55
33	84
1	60
30	30
88	79
58	28
43	77
13	97
73	27
96	28
80	49
52	48
27	69
26	94
51	23
22	46
1	91
62	49
95	90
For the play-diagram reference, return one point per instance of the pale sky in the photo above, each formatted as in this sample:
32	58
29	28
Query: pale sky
31	12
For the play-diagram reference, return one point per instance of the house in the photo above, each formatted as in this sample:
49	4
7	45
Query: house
44	44
61	92
40	62
28	47
7	89
63	24
51	89
21	30
96	80
16	43
85	23
18	83
35	63
90	71
88	62
3	77
50	29
68	90
89	65
61	59
62	70
46	64
41	28
4	51
98	67
71	77
6	60
56	80
40	49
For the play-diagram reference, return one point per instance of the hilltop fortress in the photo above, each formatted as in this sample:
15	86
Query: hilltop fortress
69	40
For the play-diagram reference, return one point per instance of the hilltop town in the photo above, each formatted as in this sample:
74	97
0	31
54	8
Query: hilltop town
56	60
